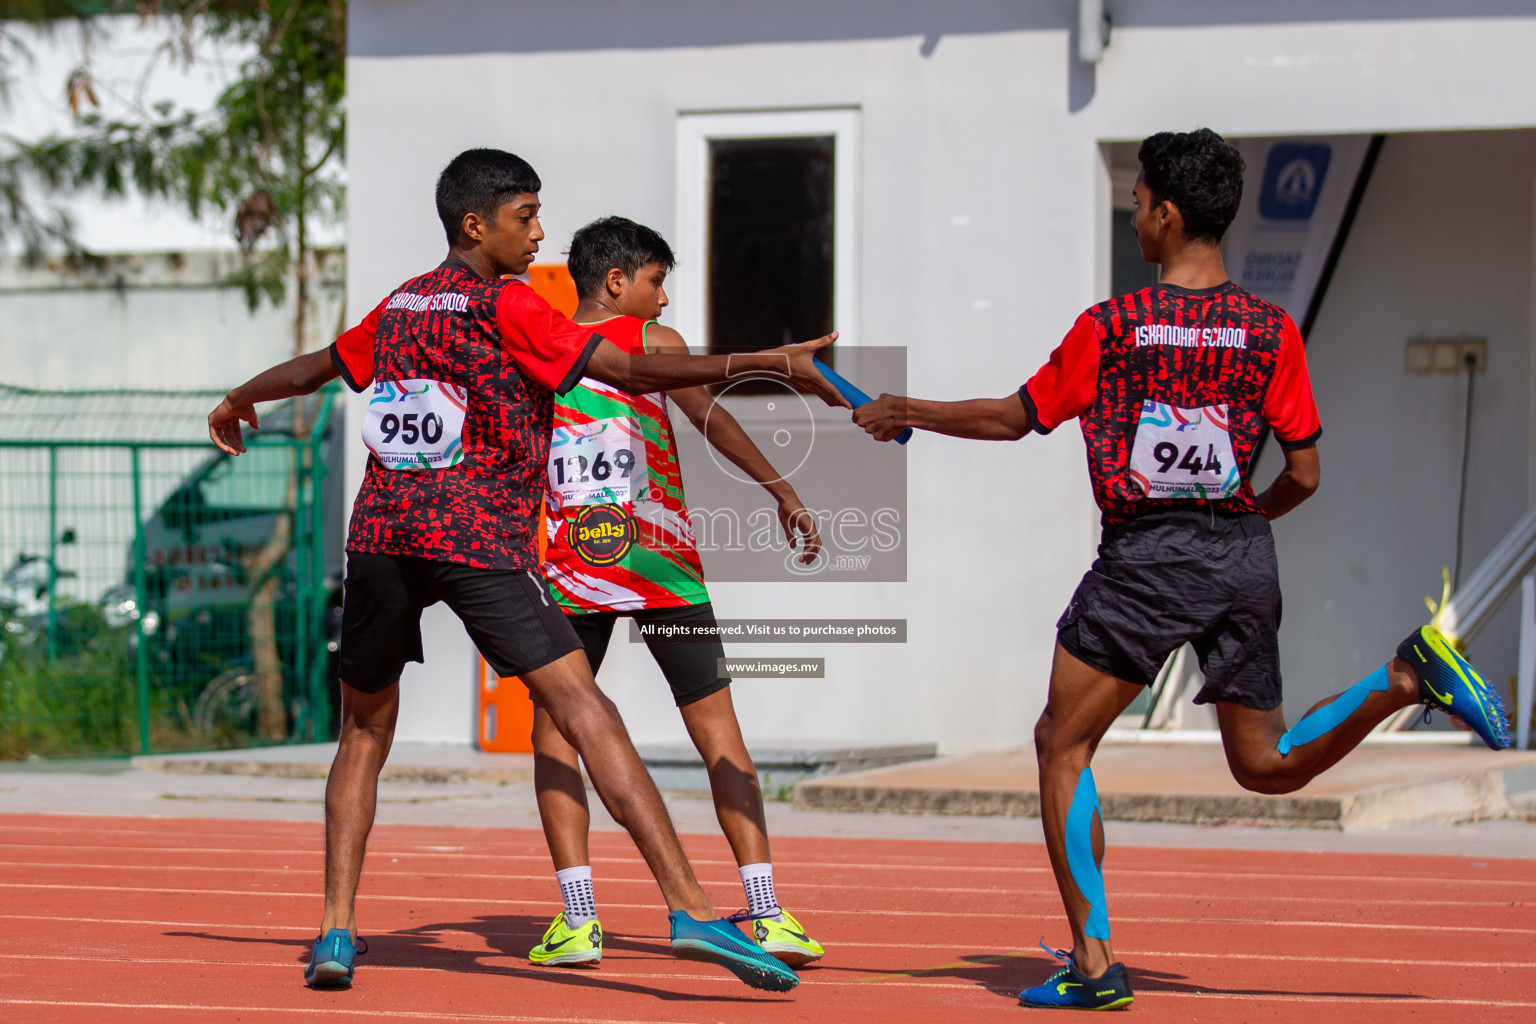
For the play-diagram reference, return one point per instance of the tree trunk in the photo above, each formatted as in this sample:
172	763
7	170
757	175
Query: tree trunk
264	569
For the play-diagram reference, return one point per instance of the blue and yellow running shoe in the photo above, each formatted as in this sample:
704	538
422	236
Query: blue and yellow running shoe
330	960
569	947
1069	990
1448	683
720	942
784	937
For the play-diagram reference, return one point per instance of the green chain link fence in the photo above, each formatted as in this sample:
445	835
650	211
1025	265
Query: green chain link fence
156	593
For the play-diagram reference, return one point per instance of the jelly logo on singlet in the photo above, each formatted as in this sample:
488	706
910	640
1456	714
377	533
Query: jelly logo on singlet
1184	453
602	534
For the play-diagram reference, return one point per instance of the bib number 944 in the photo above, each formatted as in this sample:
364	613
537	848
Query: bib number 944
1184	453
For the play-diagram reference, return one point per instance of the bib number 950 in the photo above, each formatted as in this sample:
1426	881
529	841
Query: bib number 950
416	424
411	427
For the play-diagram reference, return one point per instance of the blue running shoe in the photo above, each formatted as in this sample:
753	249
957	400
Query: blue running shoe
720	942
330	962
1069	990
1447	682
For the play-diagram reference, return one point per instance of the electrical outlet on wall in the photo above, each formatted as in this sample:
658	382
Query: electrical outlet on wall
1445	355
1419	356
1473	354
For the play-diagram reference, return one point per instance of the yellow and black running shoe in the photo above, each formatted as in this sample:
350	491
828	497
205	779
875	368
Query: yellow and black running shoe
569	947
783	937
1449	683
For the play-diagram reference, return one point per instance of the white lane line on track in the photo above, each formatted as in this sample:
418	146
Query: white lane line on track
1392	881
1209	995
300	933
436	876
824	976
482	902
310	1012
864	864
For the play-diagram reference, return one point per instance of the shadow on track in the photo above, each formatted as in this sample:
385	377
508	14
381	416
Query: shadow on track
507	935
1008	974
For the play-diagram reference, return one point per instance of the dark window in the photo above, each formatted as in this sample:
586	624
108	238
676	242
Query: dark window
1128	272
770	242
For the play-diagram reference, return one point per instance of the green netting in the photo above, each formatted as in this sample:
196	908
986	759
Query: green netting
155	593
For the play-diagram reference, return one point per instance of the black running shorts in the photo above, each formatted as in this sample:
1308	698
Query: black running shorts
1183	576
692	669
508	614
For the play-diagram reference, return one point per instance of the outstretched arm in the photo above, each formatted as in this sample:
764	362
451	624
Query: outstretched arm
670	371
725	435
1296	483
985	419
301	375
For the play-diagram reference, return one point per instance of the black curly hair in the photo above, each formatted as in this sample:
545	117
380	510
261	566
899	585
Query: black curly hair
610	242
1200	173
479	181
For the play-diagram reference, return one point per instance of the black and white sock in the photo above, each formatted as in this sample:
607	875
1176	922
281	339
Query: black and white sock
576	890
757	879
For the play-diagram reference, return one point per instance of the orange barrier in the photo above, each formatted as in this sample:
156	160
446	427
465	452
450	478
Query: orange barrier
553	284
506	713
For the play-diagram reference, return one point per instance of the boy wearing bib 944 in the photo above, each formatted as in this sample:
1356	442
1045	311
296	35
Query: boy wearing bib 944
620	544
1173	386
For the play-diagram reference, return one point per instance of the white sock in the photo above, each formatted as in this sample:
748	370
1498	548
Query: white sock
757	879
576	890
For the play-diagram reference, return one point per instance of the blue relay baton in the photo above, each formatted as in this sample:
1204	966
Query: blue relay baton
855	397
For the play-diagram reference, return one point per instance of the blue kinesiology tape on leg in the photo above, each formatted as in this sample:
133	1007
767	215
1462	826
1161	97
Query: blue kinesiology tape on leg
1080	860
1329	717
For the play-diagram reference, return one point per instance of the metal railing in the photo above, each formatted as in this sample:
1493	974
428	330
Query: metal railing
155	593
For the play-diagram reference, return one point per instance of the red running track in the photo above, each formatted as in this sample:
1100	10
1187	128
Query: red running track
189	920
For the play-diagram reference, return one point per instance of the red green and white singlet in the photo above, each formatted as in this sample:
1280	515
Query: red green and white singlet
617	524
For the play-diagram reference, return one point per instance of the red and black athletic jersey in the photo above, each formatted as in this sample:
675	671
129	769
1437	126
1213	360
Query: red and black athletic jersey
1163	347
510	353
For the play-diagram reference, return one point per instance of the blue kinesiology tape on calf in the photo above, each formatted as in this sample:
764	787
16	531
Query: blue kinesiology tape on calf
1329	717
1080	859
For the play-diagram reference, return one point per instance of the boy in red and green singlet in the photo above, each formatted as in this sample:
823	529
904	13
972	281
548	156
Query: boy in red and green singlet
620	544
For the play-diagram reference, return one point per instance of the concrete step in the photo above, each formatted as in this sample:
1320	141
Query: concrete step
408	762
780	763
1190	783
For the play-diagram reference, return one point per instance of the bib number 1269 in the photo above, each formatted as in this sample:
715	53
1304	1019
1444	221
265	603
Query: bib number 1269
597	463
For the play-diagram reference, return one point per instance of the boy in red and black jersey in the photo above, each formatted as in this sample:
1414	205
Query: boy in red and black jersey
461	368
449	324
1173	386
1219	353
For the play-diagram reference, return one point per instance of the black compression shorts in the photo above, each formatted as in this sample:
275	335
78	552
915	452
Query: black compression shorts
692	669
508	614
1183	576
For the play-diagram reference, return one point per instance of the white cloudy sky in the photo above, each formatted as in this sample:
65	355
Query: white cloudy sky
129	75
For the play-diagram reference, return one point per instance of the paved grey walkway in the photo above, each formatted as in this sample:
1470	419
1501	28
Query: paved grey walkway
113	788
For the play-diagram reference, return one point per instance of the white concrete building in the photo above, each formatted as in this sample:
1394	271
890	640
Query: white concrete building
975	156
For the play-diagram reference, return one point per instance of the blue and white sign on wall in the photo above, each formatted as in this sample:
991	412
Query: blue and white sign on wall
1294	195
1293	179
